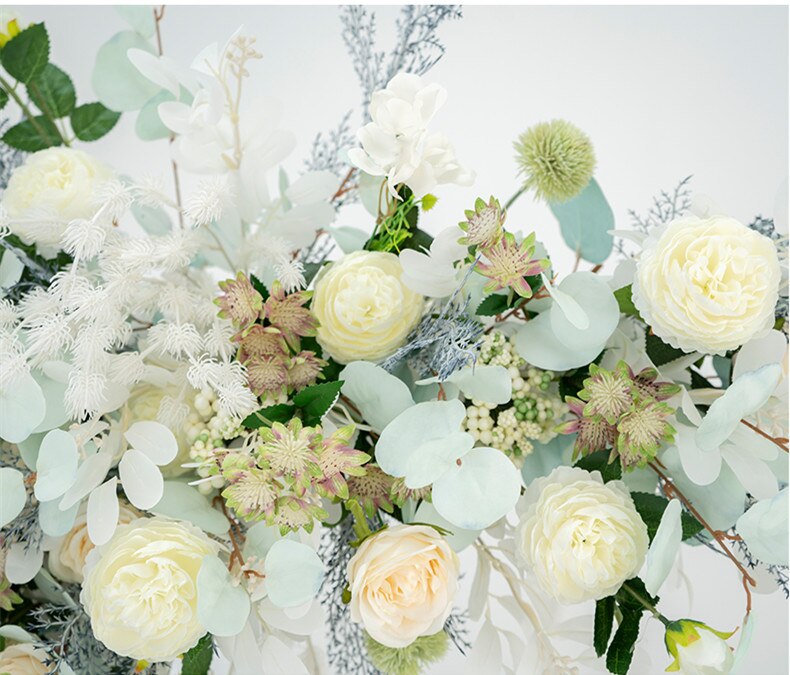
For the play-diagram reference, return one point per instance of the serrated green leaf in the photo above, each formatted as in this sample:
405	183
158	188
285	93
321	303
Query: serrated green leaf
626	302
604	620
316	400
281	412
197	660
26	55
53	92
599	461
651	507
621	650
91	121
493	305
659	351
259	286
585	222
3	98
33	135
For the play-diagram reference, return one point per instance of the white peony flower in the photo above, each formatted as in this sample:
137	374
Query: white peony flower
698	649
396	144
140	588
581	537
50	189
707	285
403	581
23	659
69	552
363	307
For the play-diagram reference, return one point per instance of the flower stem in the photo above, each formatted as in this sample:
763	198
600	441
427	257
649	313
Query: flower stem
515	196
776	441
11	91
642	601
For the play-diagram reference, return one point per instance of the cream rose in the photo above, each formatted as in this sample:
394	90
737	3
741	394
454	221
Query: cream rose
57	183
403	581
68	554
707	285
364	309
140	588
23	659
580	537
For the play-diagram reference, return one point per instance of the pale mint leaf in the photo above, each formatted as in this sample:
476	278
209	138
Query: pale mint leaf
141	479
90	474
435	457
22	409
116	81
54	396
491	384
148	126
380	396
459	538
664	547
13	496
56	467
154	440
537	344
55	522
764	529
479	491
103	512
222	606
590	291
139	17
22	562
585	222
293	573
184	502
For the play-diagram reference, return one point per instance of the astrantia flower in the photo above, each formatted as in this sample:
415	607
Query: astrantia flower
372	491
335	459
260	340
287	313
240	302
608	394
289	450
506	263
641	431
556	160
592	433
268	376
304	369
251	492
483	226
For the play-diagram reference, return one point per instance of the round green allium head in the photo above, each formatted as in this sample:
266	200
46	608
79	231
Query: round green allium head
556	160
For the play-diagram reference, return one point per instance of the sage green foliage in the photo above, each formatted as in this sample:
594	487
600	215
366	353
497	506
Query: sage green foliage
51	98
556	160
397	229
409	660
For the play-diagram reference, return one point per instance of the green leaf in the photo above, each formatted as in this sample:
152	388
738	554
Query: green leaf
651	507
585	222
621	651
53	92
116	81
91	121
659	351
281	412
493	305
316	400
3	98
626	302
259	286
418	241
599	461
197	660
32	135
723	367
26	55
604	618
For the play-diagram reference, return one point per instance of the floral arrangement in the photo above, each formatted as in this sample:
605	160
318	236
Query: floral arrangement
231	425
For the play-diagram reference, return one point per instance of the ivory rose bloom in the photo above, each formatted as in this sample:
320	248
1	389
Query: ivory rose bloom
403	581
581	537
23	659
56	183
68	555
140	588
364	309
698	649
707	285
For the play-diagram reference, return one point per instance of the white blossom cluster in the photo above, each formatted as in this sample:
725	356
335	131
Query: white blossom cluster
534	410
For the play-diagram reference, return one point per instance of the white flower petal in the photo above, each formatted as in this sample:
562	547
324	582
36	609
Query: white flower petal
664	548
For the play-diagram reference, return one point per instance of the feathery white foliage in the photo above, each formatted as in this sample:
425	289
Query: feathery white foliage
207	203
126	368
290	273
150	191
218	338
113	199
228	379
172	412
8	313
12	356
176	339
85	392
83	238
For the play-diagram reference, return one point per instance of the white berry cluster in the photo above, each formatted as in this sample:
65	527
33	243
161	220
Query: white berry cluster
208	428
534	409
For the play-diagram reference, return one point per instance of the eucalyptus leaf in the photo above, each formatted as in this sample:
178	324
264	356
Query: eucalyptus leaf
13	495
22	409
183	502
116	81
585	222
380	396
222	606
56	467
294	573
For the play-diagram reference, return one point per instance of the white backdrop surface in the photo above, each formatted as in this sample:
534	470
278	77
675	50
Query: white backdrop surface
663	92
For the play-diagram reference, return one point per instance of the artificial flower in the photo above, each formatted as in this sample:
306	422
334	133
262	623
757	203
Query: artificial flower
707	285
403	581
698	649
364	309
506	263
23	659
395	144
556	159
434	272
483	225
51	188
580	537
140	588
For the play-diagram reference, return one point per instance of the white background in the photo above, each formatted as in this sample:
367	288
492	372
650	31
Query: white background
662	91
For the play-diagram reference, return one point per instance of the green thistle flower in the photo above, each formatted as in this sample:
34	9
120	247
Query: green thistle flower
483	226
556	159
409	660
